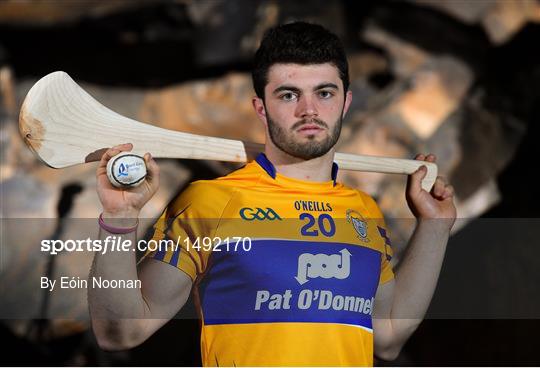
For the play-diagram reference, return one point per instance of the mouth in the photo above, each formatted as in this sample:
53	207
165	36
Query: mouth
310	128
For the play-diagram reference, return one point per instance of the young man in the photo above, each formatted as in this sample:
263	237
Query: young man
311	282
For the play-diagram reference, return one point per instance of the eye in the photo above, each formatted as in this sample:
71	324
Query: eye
289	96
325	94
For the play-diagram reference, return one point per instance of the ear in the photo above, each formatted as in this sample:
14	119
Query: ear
258	106
347	104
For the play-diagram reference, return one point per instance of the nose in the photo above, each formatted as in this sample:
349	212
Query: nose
306	107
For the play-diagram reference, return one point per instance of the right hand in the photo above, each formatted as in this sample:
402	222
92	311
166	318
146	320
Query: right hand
125	202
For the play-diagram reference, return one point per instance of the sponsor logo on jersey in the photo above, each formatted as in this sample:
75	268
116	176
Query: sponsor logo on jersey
312	206
359	224
258	213
319	300
327	266
283	280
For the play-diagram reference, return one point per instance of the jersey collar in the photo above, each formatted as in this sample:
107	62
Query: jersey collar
265	163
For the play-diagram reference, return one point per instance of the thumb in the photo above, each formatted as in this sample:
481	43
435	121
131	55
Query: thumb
152	167
414	181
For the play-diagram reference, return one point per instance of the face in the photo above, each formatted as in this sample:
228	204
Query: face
303	108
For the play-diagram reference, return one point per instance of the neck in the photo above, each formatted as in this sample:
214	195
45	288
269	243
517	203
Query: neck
317	169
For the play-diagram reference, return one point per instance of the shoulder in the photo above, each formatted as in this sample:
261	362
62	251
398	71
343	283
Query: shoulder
369	203
210	197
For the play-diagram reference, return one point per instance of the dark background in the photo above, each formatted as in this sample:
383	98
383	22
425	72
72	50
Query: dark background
172	49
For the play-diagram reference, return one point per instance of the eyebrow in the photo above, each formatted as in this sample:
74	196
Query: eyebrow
296	89
325	85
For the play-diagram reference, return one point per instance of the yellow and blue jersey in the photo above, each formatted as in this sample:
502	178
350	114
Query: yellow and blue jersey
298	288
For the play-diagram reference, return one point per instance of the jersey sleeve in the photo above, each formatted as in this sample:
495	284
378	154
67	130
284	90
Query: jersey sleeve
180	232
387	272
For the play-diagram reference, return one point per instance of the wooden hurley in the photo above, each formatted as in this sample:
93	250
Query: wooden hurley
64	126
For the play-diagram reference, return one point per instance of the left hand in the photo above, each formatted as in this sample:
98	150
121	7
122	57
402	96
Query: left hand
436	204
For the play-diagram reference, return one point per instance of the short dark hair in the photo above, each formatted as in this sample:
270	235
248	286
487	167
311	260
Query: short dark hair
298	43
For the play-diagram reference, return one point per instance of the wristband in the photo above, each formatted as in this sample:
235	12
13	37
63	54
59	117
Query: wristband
116	230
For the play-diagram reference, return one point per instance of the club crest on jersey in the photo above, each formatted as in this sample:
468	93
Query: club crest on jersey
311	266
359	224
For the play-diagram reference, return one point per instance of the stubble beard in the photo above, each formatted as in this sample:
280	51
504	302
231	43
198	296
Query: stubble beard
309	150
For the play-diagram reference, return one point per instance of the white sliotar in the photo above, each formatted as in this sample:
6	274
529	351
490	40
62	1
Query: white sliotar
126	170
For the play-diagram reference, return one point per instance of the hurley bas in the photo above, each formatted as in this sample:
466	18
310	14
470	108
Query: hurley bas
68	282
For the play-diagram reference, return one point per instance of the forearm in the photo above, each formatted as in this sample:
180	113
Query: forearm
401	304
416	276
117	313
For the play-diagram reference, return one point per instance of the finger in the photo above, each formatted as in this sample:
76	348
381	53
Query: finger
152	168
431	158
414	181
439	187
113	151
448	192
420	157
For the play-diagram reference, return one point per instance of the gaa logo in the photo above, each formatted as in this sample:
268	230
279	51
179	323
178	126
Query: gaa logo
260	214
